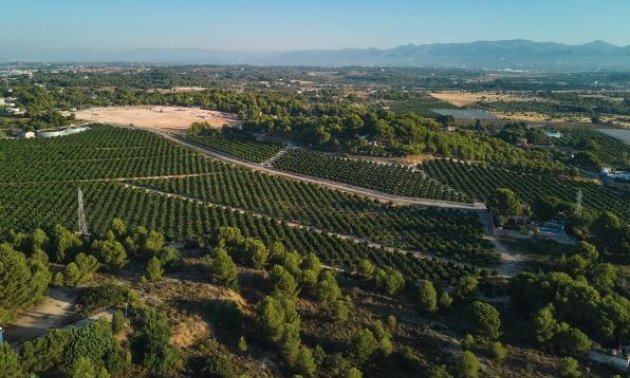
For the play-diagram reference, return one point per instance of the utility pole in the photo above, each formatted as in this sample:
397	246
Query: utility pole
81	220
578	204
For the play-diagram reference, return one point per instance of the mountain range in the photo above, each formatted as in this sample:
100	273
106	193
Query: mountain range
506	54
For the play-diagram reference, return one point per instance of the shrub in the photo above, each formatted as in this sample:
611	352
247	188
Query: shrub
104	296
23	281
363	344
9	361
223	269
438	372
151	341
498	351
427	297
389	279
305	363
485	319
468	365
327	289
154	269
569	368
118	321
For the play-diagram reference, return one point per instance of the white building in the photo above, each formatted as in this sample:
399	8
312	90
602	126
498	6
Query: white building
554	134
61	132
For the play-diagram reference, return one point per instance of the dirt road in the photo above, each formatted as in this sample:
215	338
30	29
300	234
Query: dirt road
54	311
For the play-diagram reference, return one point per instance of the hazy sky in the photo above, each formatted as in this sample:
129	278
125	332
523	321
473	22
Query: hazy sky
302	24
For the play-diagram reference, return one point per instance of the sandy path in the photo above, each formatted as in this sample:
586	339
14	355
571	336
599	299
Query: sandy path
52	312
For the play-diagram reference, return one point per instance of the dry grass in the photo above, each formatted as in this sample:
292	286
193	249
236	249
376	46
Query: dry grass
463	99
178	90
164	118
188	331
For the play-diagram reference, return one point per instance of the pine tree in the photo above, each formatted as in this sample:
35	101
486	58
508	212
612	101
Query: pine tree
223	269
427	297
9	362
154	269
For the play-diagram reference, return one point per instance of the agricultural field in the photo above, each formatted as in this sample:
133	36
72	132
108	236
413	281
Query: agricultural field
446	233
478	181
242	148
181	219
394	179
215	254
102	153
607	145
110	163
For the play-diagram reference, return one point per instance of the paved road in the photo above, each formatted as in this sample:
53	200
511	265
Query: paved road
371	194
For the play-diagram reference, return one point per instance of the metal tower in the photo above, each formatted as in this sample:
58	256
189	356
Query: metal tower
578	202
81	221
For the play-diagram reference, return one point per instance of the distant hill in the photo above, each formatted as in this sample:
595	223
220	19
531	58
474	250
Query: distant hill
508	54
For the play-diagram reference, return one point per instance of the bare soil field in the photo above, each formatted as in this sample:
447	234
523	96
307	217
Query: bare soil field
462	99
165	118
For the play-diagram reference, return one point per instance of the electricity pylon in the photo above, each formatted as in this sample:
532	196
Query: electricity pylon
81	220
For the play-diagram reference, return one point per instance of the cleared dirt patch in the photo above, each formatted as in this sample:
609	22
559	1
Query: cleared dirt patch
51	312
165	118
463	99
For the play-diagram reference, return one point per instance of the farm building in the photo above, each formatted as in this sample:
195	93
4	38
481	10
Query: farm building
61	132
554	134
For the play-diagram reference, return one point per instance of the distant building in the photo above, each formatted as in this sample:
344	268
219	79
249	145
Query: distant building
554	134
61	132
611	174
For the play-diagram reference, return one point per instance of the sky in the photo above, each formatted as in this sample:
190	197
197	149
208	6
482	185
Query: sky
271	25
